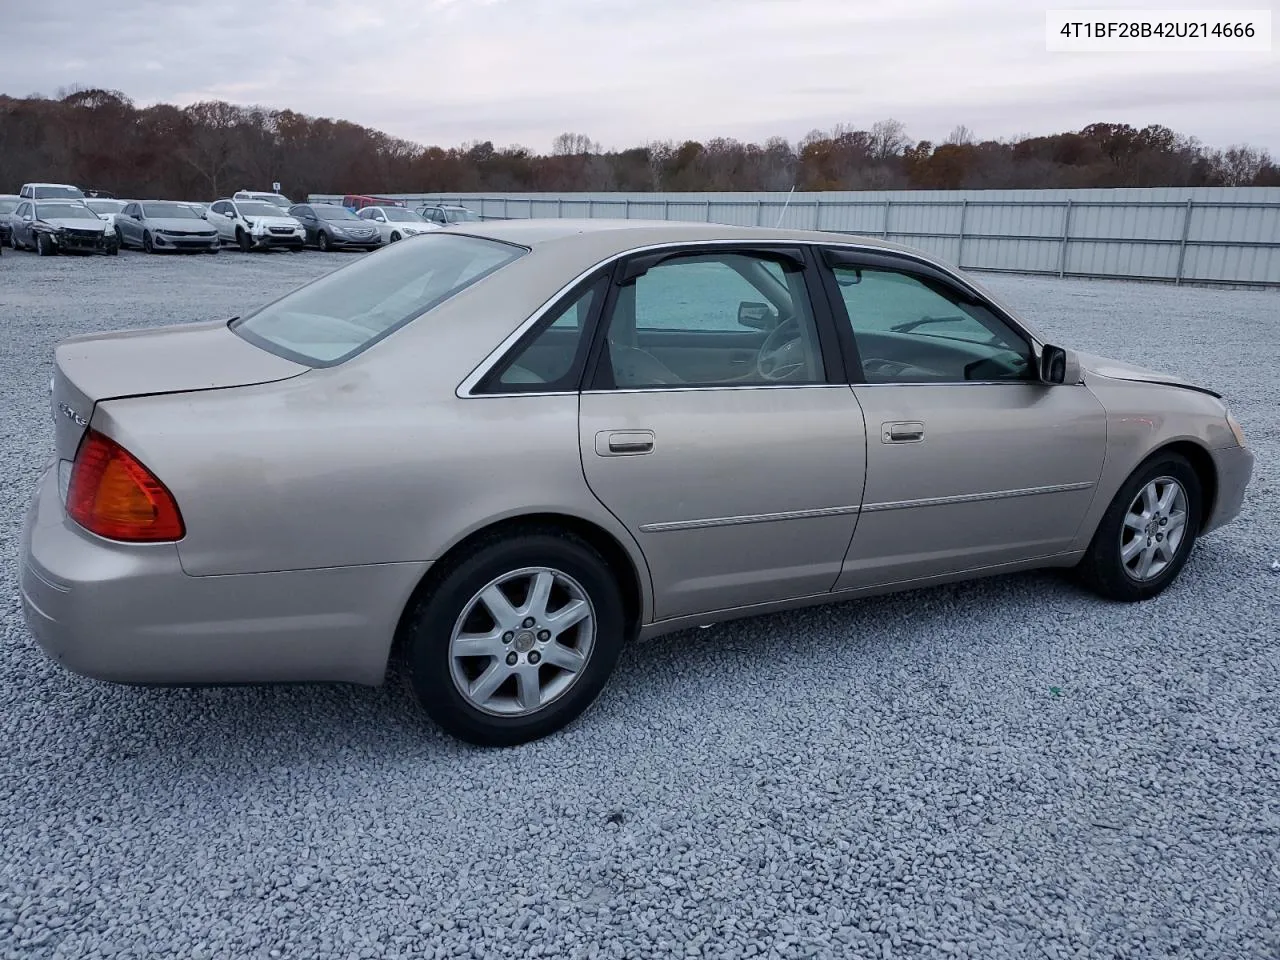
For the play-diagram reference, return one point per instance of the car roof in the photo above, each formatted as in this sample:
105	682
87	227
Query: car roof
41	183
611	237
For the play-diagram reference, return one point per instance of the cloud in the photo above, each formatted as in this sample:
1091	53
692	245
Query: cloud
627	71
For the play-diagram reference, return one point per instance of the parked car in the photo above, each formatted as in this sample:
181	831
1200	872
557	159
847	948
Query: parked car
357	202
505	452
396	223
62	226
445	214
158	225
99	193
331	227
8	205
255	225
275	199
106	209
50	191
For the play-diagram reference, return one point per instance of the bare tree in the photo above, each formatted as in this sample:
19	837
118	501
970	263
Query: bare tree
888	139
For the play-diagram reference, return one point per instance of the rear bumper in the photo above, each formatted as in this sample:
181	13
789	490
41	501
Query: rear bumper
1235	467
129	614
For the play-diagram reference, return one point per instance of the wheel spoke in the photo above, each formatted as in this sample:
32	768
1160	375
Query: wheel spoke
1149	500
575	611
539	594
1167	498
529	687
500	608
566	658
1176	522
488	682
1144	564
1132	548
1133	521
479	644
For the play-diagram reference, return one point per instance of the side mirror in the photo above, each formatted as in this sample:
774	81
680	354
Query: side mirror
1059	366
757	316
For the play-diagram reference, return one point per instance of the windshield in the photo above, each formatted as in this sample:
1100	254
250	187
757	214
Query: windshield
56	192
64	211
342	313
105	206
400	215
327	211
273	198
459	216
169	211
256	208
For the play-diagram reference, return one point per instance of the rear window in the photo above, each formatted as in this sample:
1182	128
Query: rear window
334	318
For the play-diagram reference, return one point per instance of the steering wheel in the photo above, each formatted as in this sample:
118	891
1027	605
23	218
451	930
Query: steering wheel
782	352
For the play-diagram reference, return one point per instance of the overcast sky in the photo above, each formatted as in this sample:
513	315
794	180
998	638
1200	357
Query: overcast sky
628	71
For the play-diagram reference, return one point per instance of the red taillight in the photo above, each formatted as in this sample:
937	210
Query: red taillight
113	495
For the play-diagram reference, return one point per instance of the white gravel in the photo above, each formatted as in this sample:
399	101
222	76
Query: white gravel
1008	768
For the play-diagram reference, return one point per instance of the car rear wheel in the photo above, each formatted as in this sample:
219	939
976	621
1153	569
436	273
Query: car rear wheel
1147	533
243	239
517	638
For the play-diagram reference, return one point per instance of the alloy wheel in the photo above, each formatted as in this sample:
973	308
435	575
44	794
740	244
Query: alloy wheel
522	641
1153	530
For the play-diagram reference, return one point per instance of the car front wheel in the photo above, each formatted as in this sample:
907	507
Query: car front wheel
517	638
1147	533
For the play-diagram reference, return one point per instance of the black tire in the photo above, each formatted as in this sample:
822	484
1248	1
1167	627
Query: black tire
1102	568
244	240
430	626
147	245
43	246
394	236
322	242
113	250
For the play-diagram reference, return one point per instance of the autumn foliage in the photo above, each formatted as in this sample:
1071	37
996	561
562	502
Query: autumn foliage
100	139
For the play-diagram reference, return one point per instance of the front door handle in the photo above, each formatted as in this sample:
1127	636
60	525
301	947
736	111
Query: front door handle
902	431
624	443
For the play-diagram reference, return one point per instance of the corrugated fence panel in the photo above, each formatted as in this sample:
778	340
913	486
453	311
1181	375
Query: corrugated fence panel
1200	235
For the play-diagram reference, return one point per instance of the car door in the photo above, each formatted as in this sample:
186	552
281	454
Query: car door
307	217
740	477
972	462
129	225
217	216
24	216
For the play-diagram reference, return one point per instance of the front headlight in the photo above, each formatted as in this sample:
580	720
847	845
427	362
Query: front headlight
1236	430
109	230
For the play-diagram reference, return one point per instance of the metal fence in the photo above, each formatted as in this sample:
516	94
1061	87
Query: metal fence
1205	236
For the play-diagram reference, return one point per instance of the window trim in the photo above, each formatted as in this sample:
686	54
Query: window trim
832	256
781	251
826	319
490	384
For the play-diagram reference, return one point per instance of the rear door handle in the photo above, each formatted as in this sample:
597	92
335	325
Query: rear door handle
624	443
902	431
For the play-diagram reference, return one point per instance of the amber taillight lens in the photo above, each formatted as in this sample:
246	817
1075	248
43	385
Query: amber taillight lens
113	495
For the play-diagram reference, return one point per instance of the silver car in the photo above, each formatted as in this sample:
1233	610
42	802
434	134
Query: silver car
158	225
504	450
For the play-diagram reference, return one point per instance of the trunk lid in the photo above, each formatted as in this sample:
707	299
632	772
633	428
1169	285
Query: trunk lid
176	358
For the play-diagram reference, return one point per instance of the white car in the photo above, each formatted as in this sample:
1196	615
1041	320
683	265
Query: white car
275	199
105	209
255	225
396	223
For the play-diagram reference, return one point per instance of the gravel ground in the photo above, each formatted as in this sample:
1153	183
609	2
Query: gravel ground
1007	768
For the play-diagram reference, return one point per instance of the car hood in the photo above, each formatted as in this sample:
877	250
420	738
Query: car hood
1094	365
351	224
178	223
283	221
75	223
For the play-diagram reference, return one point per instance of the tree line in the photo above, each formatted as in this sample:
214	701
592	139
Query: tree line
100	139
